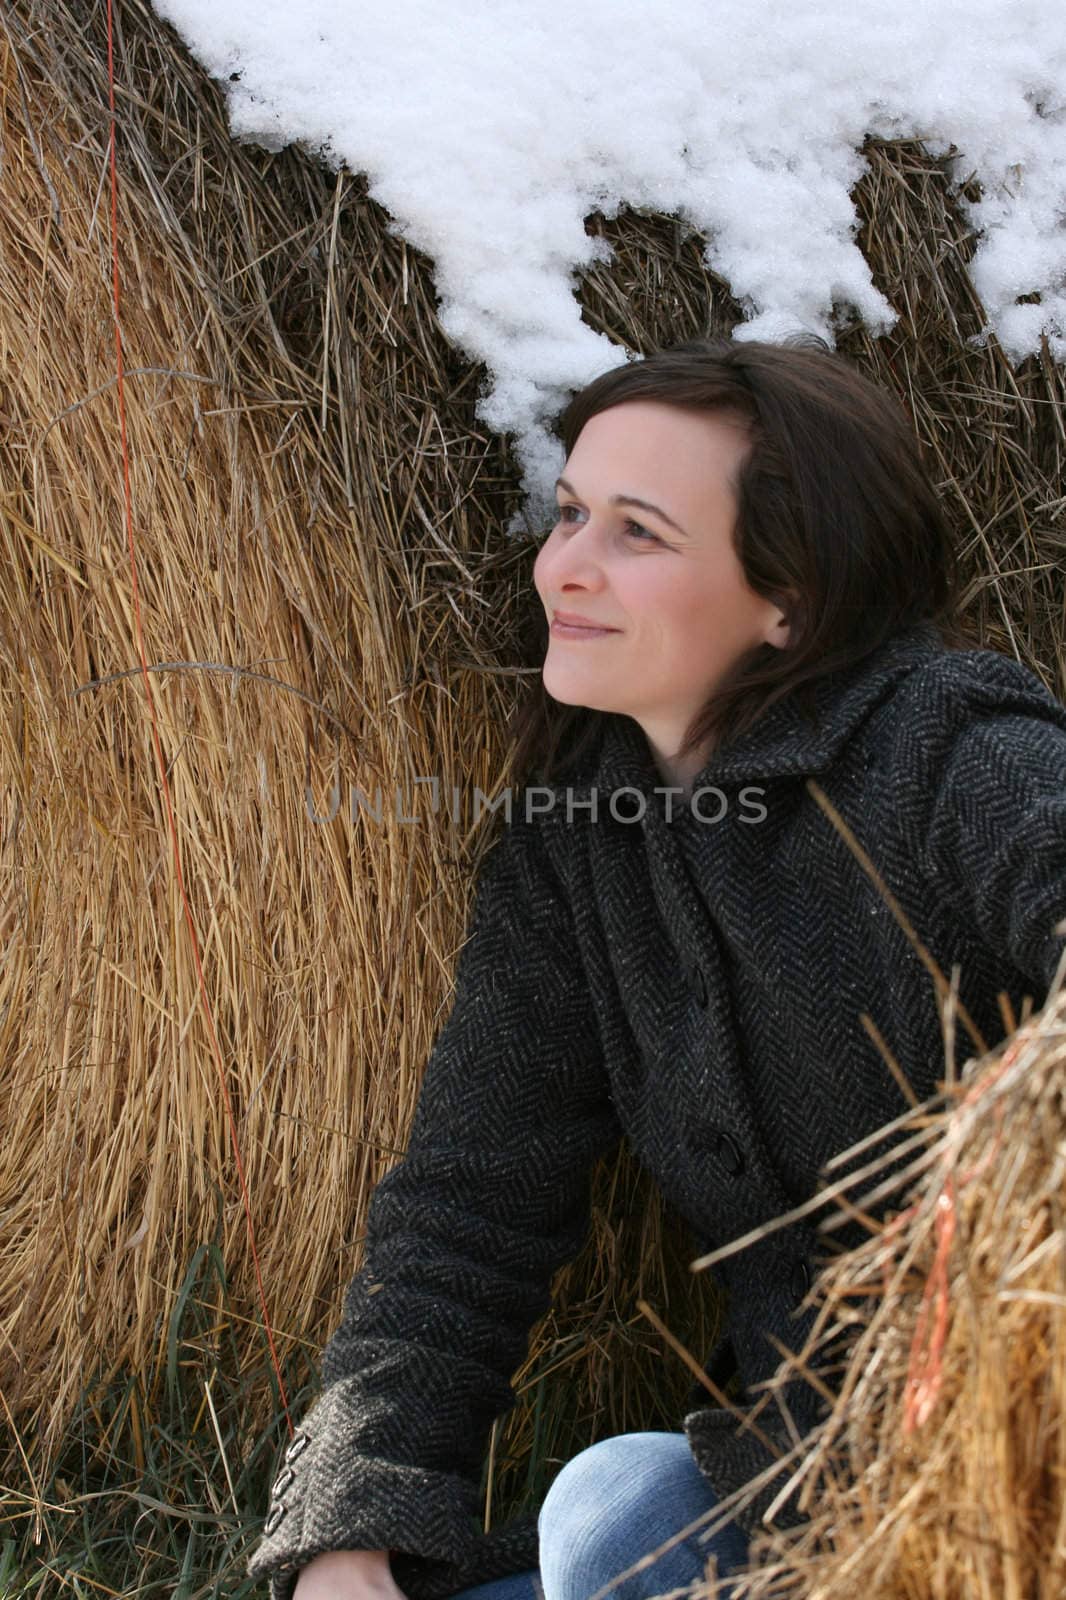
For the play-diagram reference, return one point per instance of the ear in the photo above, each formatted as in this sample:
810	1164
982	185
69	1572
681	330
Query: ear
784	620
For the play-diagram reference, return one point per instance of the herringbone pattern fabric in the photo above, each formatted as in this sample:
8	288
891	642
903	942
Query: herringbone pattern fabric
696	987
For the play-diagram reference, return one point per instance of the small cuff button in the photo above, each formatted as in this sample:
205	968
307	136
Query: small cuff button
281	1483
274	1519
299	1444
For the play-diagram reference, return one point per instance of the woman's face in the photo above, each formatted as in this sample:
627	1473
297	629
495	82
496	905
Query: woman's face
667	581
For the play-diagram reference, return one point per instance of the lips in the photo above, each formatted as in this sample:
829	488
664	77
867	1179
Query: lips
570	619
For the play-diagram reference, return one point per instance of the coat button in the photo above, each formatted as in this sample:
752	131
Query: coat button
299	1444
729	1154
800	1280
627	806
699	986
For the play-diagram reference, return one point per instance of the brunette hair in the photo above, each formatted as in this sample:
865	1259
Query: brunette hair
836	517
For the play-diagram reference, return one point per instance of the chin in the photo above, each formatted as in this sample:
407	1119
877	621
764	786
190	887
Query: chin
570	694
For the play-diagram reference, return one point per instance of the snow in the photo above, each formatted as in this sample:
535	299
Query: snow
489	131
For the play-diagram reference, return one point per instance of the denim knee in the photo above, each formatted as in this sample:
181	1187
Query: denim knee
617	1501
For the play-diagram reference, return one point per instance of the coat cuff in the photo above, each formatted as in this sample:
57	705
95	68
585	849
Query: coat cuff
330	1494
729	1459
507	1550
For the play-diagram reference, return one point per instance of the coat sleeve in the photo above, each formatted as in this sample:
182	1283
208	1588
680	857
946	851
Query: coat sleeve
463	1237
991	743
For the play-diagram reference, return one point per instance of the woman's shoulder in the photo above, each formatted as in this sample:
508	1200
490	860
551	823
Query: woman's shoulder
953	687
962	706
981	678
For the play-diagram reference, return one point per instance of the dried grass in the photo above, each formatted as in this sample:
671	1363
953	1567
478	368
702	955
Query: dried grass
940	1472
309	622
359	643
326	589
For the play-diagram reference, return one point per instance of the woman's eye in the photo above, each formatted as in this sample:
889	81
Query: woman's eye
647	536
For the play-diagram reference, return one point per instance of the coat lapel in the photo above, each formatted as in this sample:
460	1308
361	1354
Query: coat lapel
782	745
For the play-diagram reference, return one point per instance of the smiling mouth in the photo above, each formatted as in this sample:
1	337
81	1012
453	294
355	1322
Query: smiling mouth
573	630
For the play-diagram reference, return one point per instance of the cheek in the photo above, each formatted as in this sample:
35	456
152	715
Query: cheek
691	627
673	609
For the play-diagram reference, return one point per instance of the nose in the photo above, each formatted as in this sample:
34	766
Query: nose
570	558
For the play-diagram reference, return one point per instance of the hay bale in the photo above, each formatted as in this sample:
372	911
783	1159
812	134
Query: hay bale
326	590
941	1468
305	632
326	596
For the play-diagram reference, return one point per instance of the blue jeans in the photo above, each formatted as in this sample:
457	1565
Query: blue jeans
617	1501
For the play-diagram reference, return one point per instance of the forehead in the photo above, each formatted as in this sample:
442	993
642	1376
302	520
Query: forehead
651	450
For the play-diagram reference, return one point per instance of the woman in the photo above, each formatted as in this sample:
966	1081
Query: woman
671	942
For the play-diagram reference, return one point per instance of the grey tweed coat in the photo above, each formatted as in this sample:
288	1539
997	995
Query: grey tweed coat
695	986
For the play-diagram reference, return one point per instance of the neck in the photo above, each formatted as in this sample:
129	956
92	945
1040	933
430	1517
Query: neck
679	772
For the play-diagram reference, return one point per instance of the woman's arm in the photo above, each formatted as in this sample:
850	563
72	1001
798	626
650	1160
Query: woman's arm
463	1238
990	748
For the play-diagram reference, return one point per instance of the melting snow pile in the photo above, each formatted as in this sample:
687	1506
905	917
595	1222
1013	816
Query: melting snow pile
490	131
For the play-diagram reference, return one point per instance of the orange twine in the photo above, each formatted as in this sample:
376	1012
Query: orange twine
925	1370
925	1373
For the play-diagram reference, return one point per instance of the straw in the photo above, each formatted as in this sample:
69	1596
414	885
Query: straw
328	597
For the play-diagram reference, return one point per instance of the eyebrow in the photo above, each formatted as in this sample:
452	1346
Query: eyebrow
628	500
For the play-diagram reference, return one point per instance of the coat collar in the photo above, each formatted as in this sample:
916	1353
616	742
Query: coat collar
782	743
